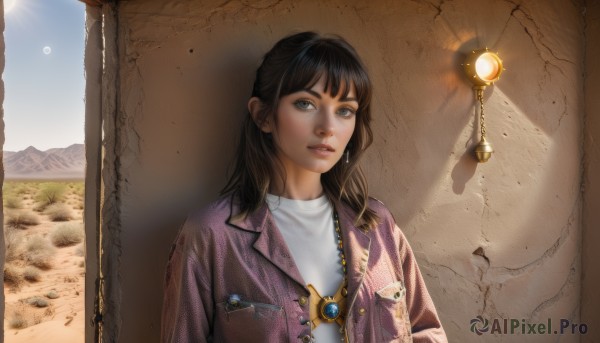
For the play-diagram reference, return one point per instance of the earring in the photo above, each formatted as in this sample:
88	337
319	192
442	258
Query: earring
347	156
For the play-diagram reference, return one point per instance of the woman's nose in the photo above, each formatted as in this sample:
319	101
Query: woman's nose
325	123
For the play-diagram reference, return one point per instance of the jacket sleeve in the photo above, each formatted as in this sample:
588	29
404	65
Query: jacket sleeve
187	304
425	323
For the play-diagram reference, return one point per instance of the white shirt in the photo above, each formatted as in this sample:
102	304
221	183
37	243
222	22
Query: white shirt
308	230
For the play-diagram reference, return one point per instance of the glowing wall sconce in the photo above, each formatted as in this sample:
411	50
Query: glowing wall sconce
483	68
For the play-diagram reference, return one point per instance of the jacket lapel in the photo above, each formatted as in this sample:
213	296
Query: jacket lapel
270	243
356	248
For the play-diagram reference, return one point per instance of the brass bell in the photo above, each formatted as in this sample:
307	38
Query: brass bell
483	150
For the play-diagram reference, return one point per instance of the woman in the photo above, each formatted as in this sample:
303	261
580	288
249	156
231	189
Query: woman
295	250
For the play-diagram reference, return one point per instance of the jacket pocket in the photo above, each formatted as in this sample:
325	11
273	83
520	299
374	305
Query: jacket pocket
249	322
394	324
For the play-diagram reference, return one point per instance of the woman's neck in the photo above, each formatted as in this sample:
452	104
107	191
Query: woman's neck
307	187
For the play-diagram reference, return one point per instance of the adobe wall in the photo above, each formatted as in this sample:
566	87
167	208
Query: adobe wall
500	240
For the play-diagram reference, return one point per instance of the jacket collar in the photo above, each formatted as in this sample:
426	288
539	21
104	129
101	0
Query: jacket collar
255	221
271	244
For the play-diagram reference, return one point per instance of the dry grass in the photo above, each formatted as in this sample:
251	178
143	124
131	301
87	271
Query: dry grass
50	193
12	244
67	234
16	188
78	189
38	302
21	219
39	252
70	279
80	251
32	274
12	201
17	320
23	190
59	212
29	253
12	276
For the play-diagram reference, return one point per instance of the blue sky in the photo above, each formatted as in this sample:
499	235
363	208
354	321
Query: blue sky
44	93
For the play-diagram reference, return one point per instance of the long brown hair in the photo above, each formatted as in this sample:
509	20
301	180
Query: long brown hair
297	62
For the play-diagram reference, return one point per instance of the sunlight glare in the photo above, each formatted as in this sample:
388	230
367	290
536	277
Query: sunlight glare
9	5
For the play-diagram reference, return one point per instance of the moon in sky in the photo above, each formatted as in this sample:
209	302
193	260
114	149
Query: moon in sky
47	50
9	5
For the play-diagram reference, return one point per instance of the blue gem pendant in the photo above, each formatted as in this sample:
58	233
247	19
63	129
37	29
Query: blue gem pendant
329	310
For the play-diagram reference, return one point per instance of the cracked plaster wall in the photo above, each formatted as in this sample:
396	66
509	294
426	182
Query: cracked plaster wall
499	239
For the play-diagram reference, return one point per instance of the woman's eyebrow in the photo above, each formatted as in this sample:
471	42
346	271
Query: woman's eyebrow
317	95
313	93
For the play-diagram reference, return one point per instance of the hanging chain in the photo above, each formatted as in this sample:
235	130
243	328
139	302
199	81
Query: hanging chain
481	113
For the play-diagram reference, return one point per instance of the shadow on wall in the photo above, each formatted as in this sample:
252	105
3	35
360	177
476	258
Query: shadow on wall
193	106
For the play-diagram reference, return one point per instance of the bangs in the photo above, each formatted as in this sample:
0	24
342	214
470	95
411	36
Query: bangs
340	69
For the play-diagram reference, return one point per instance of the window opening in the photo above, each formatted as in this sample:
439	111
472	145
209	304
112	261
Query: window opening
44	162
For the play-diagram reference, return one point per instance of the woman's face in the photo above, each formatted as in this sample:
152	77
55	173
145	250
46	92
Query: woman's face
313	128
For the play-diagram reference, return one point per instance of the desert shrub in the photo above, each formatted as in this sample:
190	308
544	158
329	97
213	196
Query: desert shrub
67	234
39	207
77	188
16	187
17	321
49	312
80	251
59	212
32	274
12	244
12	201
37	243
52	294
50	193
71	279
12	276
38	302
22	189
8	188
21	219
39	252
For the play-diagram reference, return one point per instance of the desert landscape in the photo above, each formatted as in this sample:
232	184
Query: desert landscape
45	261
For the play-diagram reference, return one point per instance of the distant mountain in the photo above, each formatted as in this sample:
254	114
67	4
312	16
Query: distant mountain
57	163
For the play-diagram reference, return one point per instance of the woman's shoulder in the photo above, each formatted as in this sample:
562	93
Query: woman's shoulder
383	213
213	215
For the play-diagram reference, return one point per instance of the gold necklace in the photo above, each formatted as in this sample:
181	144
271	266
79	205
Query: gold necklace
331	309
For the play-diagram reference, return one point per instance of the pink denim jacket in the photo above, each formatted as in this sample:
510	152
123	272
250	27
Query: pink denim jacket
216	259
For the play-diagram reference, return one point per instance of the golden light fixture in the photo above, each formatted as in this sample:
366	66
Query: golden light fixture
483	68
